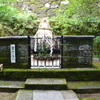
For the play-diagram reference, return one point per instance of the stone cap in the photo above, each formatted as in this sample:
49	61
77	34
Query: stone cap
24	37
78	36
14	37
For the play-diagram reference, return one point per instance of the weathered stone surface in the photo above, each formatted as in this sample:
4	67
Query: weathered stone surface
46	83
11	84
84	85
47	5
21	51
69	95
24	95
41	15
47	95
91	98
50	12
26	0
53	4
32	7
41	11
44	1
77	51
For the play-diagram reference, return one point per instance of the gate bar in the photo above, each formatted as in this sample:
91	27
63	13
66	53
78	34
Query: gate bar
29	53
62	51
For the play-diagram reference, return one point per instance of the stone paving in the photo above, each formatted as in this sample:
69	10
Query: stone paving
49	94
46	89
11	86
46	95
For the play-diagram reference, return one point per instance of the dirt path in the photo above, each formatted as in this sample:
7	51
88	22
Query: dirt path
89	95
7	96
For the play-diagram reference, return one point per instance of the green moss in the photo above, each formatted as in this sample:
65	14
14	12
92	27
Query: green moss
91	98
83	85
96	64
4	53
69	74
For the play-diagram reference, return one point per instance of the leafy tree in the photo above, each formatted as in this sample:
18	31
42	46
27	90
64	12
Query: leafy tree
97	46
14	21
79	17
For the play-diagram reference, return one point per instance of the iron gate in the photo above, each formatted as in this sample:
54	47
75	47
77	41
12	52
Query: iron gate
42	55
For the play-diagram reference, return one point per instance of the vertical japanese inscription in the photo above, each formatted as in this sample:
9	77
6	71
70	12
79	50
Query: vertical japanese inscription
12	53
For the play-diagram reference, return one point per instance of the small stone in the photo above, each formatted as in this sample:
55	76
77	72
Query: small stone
47	5
41	11
25	7
44	1
32	7
65	2
50	12
54	6
47	95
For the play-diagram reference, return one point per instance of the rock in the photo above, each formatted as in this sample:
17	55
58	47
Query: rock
44	1
50	12
32	7
54	5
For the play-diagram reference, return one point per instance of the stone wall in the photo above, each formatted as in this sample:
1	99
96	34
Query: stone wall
21	51
77	51
43	8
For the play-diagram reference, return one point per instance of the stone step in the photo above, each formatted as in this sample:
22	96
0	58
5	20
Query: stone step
84	86
46	95
11	86
24	95
46	83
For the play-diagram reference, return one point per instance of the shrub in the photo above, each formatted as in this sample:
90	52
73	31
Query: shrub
16	22
97	46
79	17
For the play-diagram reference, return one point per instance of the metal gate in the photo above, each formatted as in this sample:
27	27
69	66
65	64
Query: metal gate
42	55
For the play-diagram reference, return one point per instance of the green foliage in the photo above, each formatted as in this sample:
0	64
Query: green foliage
7	2
43	52
97	46
15	22
79	17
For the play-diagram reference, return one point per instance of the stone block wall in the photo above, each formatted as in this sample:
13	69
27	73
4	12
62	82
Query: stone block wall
77	51
43	8
21	51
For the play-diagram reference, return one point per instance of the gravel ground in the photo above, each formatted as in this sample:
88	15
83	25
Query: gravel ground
7	96
89	95
11	96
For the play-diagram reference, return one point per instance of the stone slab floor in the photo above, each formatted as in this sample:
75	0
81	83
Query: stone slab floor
46	95
12	96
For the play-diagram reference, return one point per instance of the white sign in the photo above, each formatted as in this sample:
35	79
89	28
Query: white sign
13	54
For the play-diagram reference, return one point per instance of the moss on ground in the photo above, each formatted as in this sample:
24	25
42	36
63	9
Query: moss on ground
96	64
74	74
7	96
83	85
91	98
